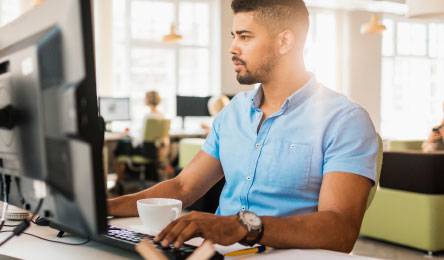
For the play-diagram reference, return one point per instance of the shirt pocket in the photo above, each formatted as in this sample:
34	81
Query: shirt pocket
290	164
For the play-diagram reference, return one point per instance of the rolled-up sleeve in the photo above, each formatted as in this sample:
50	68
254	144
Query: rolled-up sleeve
351	145
211	145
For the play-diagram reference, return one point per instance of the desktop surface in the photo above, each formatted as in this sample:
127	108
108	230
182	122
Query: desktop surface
28	247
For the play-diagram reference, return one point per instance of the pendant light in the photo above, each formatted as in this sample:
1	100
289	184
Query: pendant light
172	37
373	27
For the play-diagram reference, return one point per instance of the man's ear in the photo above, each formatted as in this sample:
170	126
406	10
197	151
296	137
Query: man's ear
286	41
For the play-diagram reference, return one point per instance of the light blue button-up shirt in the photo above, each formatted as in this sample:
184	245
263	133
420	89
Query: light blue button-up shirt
278	171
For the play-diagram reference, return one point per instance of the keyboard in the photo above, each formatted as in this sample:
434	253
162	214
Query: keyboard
128	239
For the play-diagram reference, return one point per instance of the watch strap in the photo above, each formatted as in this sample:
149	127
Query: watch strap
253	236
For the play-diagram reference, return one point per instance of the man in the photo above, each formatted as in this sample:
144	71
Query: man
299	159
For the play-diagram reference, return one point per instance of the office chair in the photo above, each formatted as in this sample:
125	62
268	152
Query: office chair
372	193
145	159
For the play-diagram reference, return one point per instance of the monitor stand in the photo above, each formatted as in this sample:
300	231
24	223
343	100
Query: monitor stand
183	122
63	229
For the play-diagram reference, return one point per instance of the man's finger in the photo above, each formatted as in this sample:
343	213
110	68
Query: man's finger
189	232
165	231
171	236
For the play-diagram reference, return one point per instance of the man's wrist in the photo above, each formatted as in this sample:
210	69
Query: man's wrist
241	231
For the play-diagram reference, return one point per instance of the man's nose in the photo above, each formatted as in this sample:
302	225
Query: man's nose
234	49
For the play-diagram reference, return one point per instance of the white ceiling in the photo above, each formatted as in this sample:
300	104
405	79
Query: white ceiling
379	6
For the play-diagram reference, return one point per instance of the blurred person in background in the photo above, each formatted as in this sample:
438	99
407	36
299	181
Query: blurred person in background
435	141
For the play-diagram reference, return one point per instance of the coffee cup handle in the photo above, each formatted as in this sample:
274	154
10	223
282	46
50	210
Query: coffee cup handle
176	211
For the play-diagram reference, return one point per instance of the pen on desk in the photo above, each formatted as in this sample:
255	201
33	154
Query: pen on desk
258	249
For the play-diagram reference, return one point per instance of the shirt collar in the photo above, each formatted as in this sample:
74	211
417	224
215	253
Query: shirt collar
294	100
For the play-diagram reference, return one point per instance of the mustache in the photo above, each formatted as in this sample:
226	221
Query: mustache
235	58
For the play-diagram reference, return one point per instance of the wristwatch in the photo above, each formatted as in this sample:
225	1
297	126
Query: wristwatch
253	224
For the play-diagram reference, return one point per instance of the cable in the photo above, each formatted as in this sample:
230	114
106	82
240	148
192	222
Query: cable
7	239
49	240
6	181
24	225
36	210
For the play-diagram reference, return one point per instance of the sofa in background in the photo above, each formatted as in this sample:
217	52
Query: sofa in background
408	207
405	145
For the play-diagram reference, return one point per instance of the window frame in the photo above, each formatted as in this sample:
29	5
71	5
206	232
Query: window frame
130	43
394	58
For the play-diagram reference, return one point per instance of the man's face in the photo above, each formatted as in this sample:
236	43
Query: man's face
254	55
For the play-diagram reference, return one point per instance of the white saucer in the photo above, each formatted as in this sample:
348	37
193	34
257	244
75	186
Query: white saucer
143	229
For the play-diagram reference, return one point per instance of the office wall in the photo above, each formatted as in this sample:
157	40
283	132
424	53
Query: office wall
362	68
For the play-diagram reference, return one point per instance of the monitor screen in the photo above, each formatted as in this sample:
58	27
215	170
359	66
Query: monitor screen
51	144
192	106
114	109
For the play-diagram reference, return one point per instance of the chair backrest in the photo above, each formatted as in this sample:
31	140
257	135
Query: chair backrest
378	172
156	129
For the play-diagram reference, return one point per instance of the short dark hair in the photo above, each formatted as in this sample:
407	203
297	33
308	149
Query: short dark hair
277	15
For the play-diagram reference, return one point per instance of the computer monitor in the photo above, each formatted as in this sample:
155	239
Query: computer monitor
114	109
51	137
192	106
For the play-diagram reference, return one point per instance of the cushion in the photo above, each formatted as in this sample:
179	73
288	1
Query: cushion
413	171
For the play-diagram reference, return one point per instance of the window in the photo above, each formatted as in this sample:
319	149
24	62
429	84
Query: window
142	62
412	92
9	10
321	48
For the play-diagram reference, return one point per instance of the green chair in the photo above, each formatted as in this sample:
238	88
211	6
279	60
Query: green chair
156	131
188	148
372	193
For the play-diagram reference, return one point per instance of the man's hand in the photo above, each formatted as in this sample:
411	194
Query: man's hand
223	230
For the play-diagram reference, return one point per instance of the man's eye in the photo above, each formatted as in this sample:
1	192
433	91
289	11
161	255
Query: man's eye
244	37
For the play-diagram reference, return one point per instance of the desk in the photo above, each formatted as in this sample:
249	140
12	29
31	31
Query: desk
27	247
188	133
111	139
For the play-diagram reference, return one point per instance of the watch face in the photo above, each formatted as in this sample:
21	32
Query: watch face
252	219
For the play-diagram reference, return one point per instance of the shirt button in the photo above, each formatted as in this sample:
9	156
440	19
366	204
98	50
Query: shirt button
249	178
292	146
257	145
243	207
258	115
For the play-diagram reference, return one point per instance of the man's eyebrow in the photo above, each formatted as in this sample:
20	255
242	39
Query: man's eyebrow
242	31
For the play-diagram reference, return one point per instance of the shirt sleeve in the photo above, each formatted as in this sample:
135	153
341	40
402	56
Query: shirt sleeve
211	145
351	145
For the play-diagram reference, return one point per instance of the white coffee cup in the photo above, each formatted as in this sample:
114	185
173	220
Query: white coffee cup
157	213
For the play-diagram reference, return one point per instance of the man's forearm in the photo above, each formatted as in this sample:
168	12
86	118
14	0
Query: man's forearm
321	230
126	206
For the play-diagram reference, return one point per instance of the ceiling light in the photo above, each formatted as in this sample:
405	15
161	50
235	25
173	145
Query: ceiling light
373	27
172	37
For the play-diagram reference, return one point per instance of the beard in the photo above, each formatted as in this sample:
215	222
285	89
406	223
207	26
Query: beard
260	75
